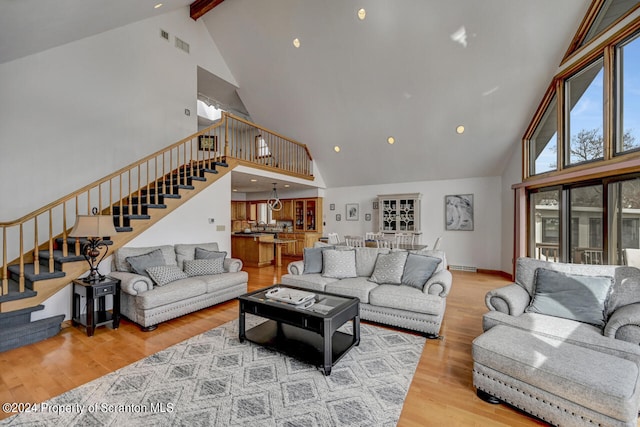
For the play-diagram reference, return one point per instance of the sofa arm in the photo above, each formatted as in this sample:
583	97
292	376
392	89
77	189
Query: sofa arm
439	284
232	265
624	324
296	267
132	283
511	299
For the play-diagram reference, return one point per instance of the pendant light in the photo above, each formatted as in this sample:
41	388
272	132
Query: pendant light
274	202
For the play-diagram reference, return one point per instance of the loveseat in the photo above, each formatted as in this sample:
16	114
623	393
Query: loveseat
561	343
398	288
160	283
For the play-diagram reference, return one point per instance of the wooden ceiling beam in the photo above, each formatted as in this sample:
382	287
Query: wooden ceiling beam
200	7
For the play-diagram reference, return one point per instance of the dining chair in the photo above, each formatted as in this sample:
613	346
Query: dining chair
370	235
354	241
383	243
436	245
334	239
404	239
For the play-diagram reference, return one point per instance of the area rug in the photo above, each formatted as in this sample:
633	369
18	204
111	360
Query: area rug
214	380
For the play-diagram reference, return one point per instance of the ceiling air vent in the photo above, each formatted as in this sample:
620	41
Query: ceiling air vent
164	34
182	45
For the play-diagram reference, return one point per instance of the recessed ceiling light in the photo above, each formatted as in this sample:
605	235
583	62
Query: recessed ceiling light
296	42
391	140
287	185
460	129
362	14
157	6
235	189
336	149
254	180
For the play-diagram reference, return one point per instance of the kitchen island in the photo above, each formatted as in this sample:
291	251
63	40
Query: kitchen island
254	249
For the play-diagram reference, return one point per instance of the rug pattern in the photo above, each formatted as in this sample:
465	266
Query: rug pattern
214	380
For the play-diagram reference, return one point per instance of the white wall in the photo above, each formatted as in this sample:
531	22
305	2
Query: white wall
478	248
75	113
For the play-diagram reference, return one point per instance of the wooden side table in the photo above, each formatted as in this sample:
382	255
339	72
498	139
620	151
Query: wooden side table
96	316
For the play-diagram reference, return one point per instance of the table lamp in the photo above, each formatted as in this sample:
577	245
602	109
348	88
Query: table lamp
94	228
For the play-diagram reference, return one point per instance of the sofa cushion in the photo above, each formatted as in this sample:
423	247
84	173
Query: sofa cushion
140	263
164	274
312	259
571	296
313	282
188	251
339	264
389	268
171	293
406	298
418	269
366	260
203	267
207	254
120	257
358	287
221	282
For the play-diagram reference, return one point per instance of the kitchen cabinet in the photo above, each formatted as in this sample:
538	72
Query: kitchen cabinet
286	213
238	211
399	213
308	215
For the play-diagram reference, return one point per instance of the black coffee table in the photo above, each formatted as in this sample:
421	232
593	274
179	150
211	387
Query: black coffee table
309	334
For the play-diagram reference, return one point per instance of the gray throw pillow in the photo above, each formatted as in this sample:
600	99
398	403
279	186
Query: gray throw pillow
389	268
207	254
312	259
339	264
418	269
204	267
140	263
571	296
164	274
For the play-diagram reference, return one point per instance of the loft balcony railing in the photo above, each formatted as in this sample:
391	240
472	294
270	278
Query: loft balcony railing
23	240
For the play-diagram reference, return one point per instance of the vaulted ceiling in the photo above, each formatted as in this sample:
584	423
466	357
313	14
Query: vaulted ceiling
412	69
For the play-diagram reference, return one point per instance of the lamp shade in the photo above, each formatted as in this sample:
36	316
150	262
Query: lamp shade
93	226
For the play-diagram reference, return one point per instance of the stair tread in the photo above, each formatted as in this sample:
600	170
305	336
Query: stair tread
59	257
31	276
15	294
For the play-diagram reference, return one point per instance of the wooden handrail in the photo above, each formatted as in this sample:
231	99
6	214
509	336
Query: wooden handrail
163	168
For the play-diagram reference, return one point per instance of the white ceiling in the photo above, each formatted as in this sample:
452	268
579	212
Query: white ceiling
398	73
401	72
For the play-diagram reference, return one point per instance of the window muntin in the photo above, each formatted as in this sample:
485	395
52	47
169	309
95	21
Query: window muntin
545	229
628	95
585	211
543	145
584	95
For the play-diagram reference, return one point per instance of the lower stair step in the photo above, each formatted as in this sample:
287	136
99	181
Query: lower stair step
31	276
27	332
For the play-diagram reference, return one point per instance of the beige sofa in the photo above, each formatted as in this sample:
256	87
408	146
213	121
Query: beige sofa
419	308
147	303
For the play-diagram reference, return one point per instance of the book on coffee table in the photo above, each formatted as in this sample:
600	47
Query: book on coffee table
291	296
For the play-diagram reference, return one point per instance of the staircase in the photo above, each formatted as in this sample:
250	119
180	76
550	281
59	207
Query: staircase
44	259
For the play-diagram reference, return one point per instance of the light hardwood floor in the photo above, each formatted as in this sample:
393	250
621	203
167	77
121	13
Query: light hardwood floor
441	393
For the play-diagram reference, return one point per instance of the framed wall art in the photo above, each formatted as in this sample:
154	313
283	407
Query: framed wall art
459	212
208	142
352	212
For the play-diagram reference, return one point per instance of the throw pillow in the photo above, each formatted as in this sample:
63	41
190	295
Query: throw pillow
140	263
207	254
163	274
339	264
389	268
204	267
312	259
570	296
418	269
